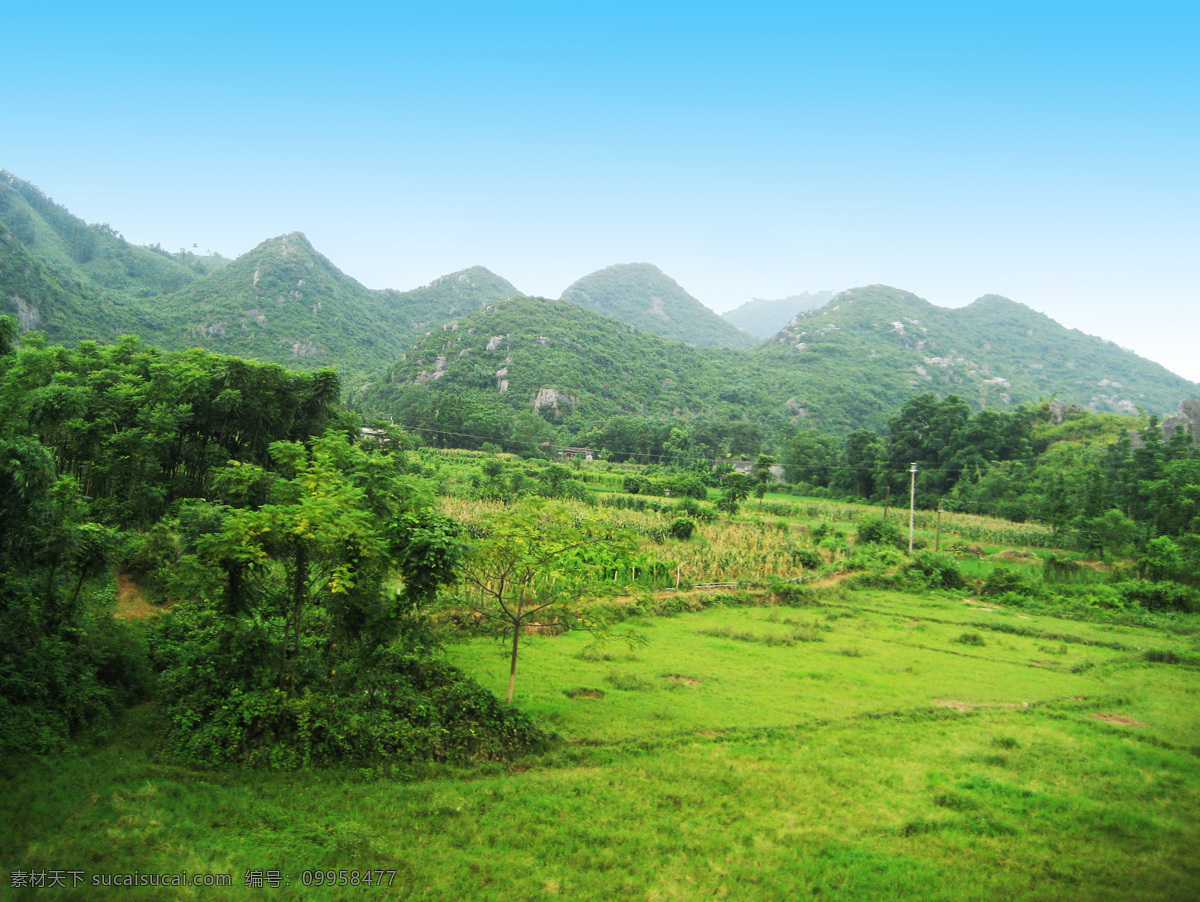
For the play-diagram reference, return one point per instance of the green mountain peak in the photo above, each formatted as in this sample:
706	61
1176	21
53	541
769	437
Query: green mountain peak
643	296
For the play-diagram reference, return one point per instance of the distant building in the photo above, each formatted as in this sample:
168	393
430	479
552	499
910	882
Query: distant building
746	468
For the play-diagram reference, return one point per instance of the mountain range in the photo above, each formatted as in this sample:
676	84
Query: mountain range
762	318
624	341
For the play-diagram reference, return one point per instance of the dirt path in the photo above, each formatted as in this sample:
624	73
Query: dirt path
131	602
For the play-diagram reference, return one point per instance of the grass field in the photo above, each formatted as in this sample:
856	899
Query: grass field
872	746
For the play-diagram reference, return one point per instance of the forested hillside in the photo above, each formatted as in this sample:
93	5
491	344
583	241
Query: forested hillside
445	300
870	348
83	252
528	370
647	352
286	303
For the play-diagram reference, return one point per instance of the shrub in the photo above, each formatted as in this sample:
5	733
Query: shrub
681	528
806	558
792	595
1001	581
1160	596
634	485
876	532
691	487
937	570
1161	656
224	706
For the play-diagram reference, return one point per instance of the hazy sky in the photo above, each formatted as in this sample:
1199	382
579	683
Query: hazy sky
1048	152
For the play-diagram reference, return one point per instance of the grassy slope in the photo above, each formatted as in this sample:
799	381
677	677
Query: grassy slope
887	760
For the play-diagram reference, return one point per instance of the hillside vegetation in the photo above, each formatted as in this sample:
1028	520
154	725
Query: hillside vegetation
673	364
529	370
562	372
870	348
86	253
641	295
445	300
284	302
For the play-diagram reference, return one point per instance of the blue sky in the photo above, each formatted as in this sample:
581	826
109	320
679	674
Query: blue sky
1047	152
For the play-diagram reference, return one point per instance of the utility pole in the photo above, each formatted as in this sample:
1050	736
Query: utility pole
938	545
886	502
912	505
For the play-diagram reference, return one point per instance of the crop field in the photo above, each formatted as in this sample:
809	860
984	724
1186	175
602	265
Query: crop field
867	744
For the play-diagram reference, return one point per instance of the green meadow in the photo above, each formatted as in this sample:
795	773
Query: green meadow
865	745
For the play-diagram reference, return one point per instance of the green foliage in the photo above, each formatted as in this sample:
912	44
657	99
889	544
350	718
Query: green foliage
1003	580
396	703
682	528
304	658
531	565
430	553
876	532
938	571
737	490
762	474
692	509
642	296
1160	596
1161	559
140	429
64	662
8	335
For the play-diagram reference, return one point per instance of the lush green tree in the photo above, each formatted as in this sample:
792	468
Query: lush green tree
531	565
810	457
1161	559
8	335
303	653
1110	531
737	490
762	474
855	471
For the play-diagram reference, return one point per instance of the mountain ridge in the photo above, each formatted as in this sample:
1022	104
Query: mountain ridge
851	362
764	318
993	352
